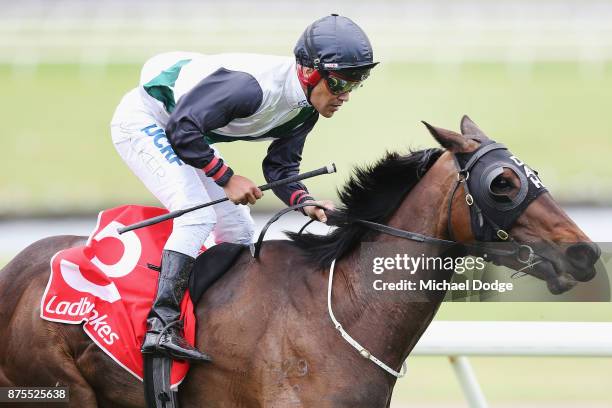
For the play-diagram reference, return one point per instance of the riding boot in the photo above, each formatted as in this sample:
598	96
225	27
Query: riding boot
164	326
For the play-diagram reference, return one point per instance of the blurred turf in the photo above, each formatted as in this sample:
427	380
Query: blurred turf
512	381
554	116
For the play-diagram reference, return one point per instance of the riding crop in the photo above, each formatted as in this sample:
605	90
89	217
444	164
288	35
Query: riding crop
331	168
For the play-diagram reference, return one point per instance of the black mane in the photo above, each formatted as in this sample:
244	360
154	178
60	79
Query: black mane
372	193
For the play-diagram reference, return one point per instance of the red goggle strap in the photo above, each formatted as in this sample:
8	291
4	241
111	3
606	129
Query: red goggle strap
310	80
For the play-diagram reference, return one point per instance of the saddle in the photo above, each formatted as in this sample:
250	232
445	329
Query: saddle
211	265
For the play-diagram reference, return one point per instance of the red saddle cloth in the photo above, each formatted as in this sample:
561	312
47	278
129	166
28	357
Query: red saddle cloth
108	286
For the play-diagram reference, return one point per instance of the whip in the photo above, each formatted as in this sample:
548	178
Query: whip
331	168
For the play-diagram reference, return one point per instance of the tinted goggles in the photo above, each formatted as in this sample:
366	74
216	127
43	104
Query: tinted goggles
338	85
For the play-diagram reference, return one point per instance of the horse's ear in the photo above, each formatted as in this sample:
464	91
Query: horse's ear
448	139
471	130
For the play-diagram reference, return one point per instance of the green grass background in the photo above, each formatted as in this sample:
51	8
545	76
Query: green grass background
58	158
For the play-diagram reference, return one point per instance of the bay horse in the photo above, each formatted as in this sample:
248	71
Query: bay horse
265	321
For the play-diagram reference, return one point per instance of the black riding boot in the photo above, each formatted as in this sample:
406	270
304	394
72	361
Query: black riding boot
164	326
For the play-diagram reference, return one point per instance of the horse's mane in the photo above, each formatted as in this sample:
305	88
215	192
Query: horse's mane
372	193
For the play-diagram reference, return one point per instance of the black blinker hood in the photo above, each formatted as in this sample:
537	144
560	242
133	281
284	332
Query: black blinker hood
489	213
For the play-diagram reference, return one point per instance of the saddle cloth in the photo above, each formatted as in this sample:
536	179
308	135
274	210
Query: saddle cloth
108	285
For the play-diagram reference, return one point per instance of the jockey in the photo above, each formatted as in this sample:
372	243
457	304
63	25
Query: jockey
167	130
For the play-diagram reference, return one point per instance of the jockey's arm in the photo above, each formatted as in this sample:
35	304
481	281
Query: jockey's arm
212	104
282	161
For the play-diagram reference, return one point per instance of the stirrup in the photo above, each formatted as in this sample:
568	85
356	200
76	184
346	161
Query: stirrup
159	349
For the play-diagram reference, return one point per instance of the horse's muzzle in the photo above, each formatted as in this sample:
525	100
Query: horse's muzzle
582	257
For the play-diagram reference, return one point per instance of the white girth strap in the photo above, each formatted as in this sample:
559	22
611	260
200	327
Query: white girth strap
362	350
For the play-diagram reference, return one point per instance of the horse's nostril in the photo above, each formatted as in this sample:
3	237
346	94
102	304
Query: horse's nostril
583	254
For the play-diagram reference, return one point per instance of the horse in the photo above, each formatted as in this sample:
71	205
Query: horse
265	321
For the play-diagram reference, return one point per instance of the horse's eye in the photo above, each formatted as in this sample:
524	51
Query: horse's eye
500	185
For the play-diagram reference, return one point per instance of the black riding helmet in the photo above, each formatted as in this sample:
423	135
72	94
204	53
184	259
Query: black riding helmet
335	44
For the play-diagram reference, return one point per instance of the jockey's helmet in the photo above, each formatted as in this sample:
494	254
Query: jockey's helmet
338	50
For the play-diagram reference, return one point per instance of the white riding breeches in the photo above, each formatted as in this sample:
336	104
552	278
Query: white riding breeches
142	144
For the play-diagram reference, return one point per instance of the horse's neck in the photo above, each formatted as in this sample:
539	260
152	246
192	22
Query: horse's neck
397	318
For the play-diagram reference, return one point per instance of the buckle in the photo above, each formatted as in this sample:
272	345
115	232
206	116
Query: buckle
529	257
503	235
463	176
